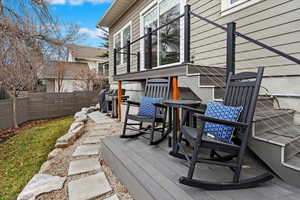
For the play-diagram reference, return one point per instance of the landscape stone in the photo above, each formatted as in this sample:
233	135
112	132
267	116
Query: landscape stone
45	166
74	125
54	153
92	140
70	137
82	118
83	166
114	197
39	184
89	187
84	109
79	114
87	150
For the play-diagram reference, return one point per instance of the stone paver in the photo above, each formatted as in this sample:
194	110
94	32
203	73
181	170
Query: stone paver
83	166
97	133
92	140
103	127
39	184
89	187
87	150
100	118
114	197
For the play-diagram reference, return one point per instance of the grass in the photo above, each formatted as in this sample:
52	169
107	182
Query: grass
22	155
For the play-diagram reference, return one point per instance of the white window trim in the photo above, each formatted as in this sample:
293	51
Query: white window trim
142	44
122	42
227	7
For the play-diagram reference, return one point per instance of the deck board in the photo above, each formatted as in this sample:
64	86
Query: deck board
150	173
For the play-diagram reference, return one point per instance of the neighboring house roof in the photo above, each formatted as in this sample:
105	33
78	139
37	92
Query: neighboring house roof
70	70
115	11
86	53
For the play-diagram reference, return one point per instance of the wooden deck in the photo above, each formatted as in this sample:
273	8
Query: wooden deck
150	173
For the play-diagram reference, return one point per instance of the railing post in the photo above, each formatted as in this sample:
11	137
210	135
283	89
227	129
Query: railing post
187	33
148	59
128	56
138	57
115	62
230	56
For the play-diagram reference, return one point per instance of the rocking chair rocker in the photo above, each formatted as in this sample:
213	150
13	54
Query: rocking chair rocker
241	90
156	88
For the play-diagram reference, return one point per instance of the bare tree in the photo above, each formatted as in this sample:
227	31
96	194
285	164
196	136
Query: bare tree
87	79
29	38
60	72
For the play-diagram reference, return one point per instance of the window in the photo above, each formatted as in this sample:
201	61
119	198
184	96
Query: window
103	68
120	40
230	6
166	41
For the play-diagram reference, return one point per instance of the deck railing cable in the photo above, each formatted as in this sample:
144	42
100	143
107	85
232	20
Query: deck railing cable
230	49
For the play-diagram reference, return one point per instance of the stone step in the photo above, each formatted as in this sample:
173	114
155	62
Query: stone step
100	118
89	187
87	150
83	166
92	139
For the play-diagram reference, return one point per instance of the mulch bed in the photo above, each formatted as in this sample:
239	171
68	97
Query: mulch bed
6	133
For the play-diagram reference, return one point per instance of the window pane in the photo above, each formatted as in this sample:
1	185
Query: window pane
117	46
126	37
170	35
150	21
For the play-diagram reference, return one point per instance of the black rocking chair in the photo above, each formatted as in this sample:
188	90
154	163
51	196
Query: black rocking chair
156	88
241	90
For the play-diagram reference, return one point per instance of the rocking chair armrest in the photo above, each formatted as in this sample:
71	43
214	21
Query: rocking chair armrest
220	121
193	110
134	103
160	105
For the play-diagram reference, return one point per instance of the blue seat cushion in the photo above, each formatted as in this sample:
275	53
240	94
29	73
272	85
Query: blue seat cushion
147	108
218	131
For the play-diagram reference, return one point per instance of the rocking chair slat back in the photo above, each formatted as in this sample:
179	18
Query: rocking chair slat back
158	88
242	90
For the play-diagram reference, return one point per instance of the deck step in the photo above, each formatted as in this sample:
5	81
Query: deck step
196	70
270	120
264	103
294	162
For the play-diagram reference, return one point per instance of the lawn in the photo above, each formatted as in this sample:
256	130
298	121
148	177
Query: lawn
22	155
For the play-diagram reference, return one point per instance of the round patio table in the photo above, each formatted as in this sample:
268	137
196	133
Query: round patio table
174	107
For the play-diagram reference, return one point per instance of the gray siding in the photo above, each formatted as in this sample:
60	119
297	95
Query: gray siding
276	23
133	14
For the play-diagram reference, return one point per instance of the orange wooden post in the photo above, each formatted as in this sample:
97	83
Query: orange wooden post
175	89
176	96
119	98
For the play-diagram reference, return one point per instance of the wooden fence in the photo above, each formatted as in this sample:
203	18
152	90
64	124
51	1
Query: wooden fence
44	105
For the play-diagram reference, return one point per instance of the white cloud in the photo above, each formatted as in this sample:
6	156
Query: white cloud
76	2
92	33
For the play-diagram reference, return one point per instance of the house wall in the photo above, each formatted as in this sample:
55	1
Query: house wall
275	23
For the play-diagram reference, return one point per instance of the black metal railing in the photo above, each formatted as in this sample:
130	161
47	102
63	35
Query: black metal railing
230	29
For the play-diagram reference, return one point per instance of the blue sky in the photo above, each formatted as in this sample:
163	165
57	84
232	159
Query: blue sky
85	13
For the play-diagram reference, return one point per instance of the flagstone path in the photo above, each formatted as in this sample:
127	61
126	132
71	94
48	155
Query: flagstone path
81	164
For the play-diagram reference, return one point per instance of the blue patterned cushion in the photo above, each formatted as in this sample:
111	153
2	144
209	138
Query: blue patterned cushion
217	110
147	108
